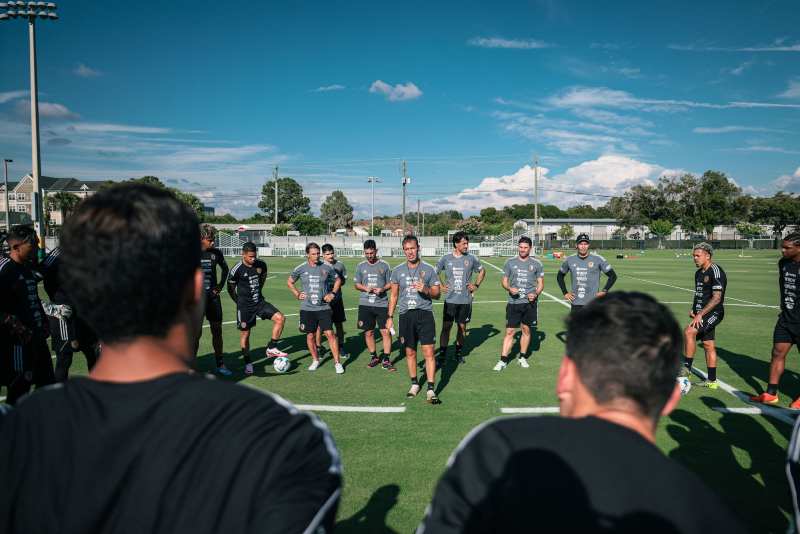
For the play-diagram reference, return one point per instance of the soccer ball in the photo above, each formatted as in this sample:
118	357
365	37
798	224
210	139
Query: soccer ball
281	364
685	384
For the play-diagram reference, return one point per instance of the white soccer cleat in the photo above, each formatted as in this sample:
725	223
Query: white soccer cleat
248	369
314	365
413	392
276	353
523	362
339	368
500	365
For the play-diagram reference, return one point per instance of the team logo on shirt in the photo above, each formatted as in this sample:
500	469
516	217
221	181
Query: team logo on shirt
530	267
258	270
591	264
705	279
466	263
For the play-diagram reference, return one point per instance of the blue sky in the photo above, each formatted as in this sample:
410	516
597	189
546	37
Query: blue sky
209	96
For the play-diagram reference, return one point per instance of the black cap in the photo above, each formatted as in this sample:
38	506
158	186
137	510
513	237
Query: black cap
583	237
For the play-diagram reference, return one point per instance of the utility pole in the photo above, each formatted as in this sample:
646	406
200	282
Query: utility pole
5	175
417	229
372	180
275	177
406	181
423	224
536	227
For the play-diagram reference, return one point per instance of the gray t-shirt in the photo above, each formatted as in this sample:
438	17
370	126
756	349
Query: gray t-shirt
524	275
585	276
341	272
458	271
373	275
409	298
316	280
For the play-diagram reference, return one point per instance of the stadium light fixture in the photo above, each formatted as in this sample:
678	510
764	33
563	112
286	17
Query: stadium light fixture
30	11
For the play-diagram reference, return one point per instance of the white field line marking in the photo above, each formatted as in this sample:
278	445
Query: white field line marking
353	409
777	413
726	304
537	410
743	411
692	291
545	293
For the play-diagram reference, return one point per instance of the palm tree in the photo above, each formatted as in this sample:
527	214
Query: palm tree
63	202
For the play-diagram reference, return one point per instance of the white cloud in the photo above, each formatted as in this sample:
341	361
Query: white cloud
328	88
397	93
738	71
793	91
118	128
733	129
777	46
788	183
766	148
86	72
499	42
608	175
47	110
12	95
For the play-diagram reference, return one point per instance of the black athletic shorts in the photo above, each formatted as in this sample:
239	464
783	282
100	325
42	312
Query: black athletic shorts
527	314
417	326
786	333
708	325
246	315
370	317
311	320
31	361
457	313
337	311
62	333
213	308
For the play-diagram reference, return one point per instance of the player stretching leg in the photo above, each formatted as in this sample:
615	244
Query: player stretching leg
523	278
414	284
245	282
458	268
787	329
707	310
372	281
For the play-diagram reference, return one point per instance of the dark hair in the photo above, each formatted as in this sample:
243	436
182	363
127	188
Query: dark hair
310	246
134	245
626	345
525	239
327	247
458	236
21	233
409	238
207	231
793	238
370	244
249	247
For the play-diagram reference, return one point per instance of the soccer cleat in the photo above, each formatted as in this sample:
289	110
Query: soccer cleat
339	368
275	352
500	365
224	371
795	405
343	355
387	365
431	398
765	398
523	362
314	365
710	384
413	391
685	372
248	369
373	362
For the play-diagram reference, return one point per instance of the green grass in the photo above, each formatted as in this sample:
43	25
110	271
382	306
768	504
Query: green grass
392	461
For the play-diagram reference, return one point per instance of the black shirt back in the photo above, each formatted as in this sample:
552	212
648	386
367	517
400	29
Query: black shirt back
50	269
247	282
550	474
788	280
705	283
210	259
20	295
182	453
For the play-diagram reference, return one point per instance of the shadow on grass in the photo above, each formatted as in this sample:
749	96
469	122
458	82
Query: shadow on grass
712	455
755	371
372	518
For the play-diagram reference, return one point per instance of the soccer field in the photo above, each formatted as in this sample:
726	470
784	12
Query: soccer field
393	459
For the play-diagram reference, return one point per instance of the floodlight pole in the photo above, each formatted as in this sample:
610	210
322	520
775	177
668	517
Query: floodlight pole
406	181
275	177
372	180
536	227
5	177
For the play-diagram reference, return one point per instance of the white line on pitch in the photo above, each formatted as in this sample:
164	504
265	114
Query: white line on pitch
777	413
744	411
353	409
535	410
692	291
545	293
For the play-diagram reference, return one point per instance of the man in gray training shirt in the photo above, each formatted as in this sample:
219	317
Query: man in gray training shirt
337	304
372	281
523	278
458	268
414	284
315	298
585	271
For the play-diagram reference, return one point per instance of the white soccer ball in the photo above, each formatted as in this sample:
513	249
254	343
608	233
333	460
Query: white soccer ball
281	364
685	384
